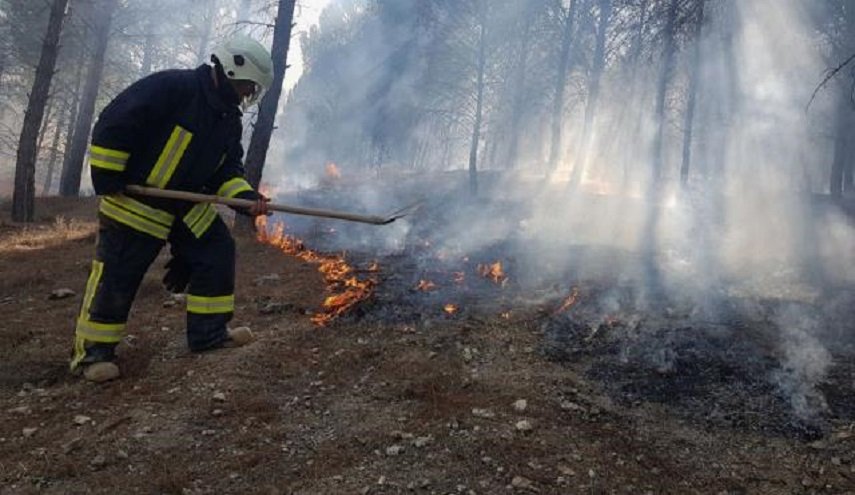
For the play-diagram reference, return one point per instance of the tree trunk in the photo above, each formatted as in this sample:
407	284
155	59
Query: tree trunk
260	142
479	101
662	90
44	126
73	167
23	198
564	63
54	151
630	138
599	64
841	159
519	92
72	118
202	53
694	79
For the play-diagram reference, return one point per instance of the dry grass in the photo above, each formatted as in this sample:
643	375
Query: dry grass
41	236
58	220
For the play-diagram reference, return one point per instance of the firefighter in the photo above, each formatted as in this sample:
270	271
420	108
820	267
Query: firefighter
176	129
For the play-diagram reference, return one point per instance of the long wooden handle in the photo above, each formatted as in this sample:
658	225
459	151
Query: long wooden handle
245	203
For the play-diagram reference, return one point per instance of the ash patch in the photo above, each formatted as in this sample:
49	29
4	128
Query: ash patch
767	374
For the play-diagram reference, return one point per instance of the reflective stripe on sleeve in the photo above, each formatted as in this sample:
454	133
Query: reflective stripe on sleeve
233	187
108	159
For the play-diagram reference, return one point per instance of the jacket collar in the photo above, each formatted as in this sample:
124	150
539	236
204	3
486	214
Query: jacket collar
223	99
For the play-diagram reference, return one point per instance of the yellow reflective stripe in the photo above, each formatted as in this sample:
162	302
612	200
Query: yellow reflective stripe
91	286
204	223
107	158
89	330
199	218
133	221
100	332
141	209
195	213
233	187
107	165
79	352
122	155
169	157
210	305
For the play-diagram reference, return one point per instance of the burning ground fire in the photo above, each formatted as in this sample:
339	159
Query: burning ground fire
345	288
494	272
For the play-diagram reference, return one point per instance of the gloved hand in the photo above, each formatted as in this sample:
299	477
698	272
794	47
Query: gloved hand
177	275
260	206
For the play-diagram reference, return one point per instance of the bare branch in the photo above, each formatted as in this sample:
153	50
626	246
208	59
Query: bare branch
829	75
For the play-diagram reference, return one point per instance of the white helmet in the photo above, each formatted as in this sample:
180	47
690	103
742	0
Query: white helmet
244	58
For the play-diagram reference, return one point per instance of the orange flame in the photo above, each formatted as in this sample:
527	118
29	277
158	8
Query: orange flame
346	288
494	272
569	301
425	285
450	308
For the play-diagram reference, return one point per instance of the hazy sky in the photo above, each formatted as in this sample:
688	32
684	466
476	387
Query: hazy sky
305	16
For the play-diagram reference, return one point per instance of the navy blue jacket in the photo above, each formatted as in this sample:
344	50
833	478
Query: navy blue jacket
171	130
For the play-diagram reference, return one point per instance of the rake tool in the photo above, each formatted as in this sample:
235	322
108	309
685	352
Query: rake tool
294	210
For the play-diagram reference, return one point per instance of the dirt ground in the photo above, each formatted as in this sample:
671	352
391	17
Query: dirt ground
465	406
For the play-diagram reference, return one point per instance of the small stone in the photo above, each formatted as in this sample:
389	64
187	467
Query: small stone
422	441
121	454
28	432
208	433
483	413
98	461
72	445
81	420
170	303
394	450
63	293
566	471
219	396
20	410
522	483
266	279
217	412
524	426
836	461
571	406
520	405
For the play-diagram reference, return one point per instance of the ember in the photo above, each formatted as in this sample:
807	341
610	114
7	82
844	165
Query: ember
494	272
425	285
346	288
569	302
450	308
